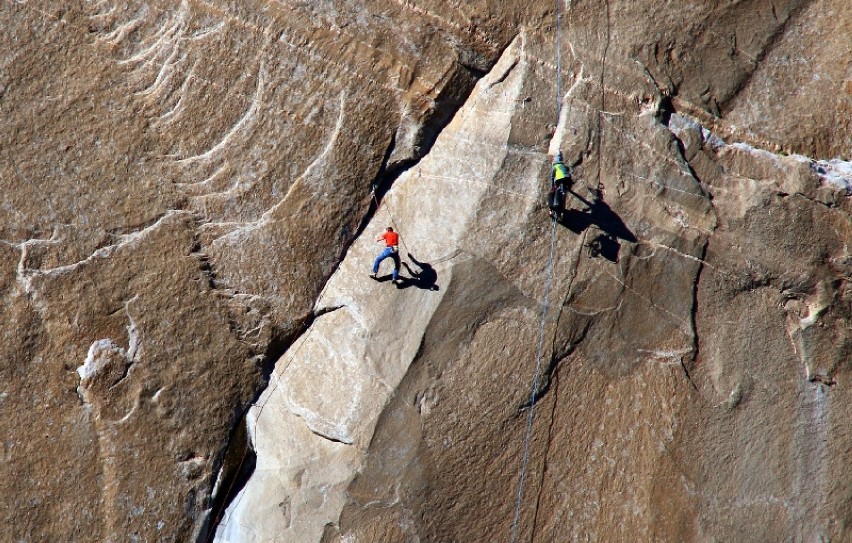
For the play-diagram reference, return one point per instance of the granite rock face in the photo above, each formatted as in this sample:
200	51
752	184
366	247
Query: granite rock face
191	349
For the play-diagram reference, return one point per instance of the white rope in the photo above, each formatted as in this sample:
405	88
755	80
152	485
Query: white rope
534	390
522	473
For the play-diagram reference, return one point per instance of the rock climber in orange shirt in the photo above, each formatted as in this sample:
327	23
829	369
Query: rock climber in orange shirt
391	240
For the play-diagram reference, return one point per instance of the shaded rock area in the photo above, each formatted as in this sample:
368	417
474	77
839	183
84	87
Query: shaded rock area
192	350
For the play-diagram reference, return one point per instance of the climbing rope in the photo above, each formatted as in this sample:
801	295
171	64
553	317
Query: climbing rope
534	389
393	222
558	65
522	472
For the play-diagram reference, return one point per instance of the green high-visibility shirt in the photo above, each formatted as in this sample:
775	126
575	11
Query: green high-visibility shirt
560	171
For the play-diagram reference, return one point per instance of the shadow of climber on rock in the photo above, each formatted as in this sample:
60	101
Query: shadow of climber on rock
597	213
600	215
424	279
604	245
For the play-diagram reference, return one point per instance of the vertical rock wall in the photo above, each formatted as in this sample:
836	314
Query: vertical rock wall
178	180
186	229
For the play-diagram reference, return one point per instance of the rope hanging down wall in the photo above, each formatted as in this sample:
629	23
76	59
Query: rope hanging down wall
534	389
545	304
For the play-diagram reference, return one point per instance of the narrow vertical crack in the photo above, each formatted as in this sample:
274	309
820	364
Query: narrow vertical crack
552	370
551	373
693	313
693	316
239	459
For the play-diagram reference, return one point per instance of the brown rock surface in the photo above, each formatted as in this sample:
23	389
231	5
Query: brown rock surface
185	197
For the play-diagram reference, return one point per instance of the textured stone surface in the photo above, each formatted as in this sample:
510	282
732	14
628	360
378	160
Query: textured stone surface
186	227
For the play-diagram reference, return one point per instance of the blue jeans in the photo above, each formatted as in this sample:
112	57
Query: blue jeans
388	252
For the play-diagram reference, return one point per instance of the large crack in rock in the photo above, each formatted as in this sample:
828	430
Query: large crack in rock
331	386
153	150
418	138
185	231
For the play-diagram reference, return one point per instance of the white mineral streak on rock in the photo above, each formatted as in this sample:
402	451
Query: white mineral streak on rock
244	126
564	112
130	240
98	358
680	124
835	172
134	342
319	414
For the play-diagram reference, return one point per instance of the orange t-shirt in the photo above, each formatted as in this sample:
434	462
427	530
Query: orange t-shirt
391	239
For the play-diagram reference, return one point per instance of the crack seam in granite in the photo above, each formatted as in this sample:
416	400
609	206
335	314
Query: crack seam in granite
385	175
648	301
320	434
